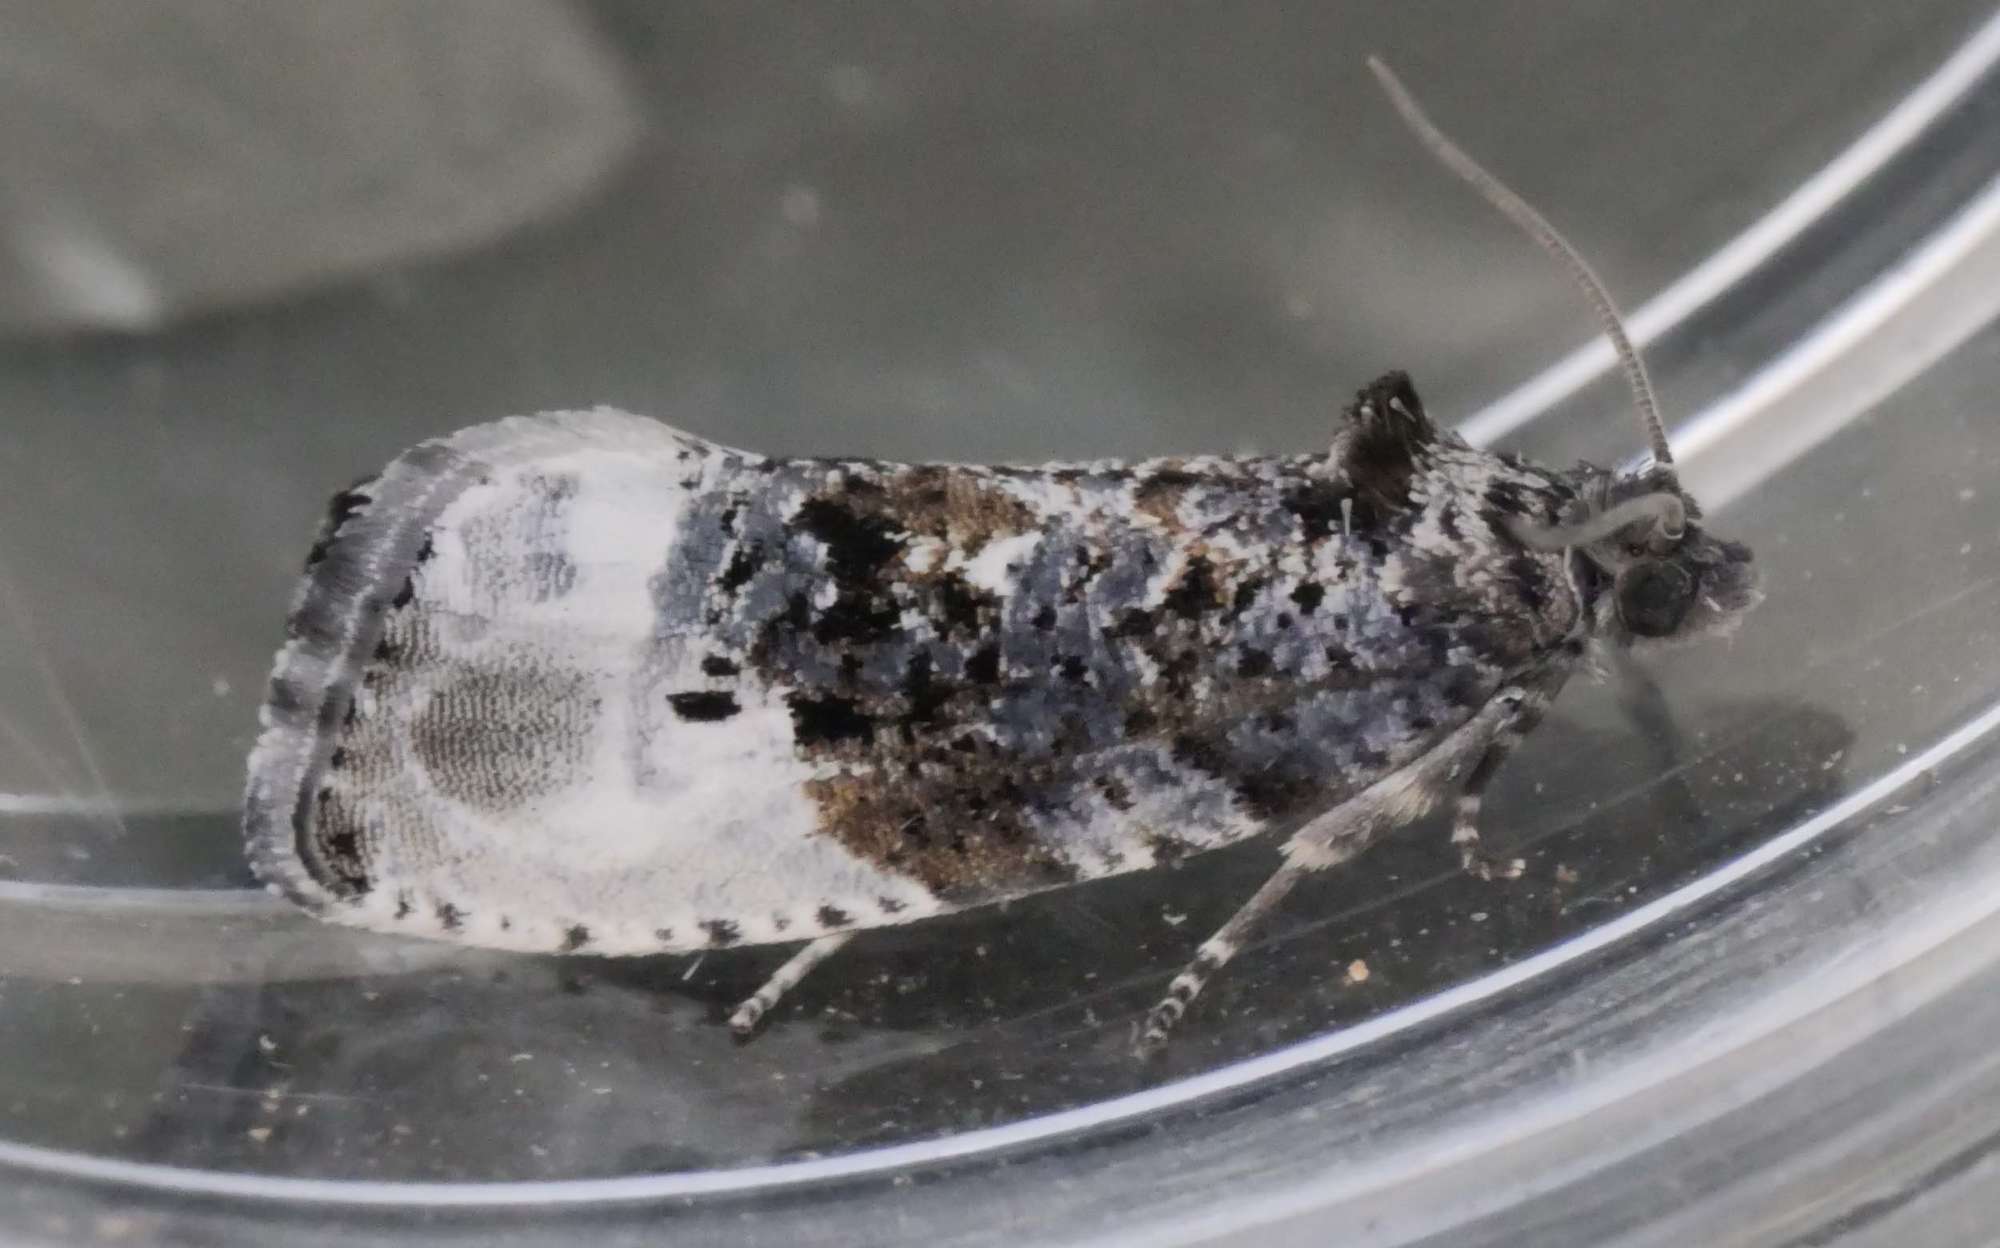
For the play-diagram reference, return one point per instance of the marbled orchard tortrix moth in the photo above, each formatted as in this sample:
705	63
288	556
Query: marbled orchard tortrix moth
579	682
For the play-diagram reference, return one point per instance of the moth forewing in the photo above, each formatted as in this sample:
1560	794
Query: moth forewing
582	683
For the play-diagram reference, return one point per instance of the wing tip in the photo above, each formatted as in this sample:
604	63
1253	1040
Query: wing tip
367	547
360	562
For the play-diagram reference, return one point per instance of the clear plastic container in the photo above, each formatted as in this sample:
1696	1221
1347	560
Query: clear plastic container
1743	993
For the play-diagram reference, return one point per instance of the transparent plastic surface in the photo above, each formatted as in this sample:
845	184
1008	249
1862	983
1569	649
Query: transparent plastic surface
1039	231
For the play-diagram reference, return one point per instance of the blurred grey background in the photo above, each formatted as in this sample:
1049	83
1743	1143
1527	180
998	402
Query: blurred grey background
250	251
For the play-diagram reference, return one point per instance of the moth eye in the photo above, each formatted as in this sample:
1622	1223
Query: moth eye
1653	597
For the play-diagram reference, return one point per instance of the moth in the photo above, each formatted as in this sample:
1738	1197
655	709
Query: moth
582	683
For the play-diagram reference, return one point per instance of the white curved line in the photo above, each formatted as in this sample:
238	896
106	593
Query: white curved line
84	804
204	902
1929	302
1876	147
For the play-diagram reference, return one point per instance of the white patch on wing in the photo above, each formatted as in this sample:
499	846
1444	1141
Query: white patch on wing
666	823
922	554
992	568
719	828
1160	798
618	532
625	514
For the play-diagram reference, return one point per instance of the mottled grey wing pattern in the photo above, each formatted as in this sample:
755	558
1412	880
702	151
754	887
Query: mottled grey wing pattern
583	682
1016	678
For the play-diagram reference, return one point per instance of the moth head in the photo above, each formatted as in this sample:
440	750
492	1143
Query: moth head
1657	573
1651	569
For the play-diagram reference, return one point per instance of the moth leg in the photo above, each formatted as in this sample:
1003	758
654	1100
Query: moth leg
1465	812
1217	950
783	980
1339	834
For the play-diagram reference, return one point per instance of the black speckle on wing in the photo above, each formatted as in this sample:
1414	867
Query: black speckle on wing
858	541
832	918
1317	506
743	565
1176	651
703	706
983	666
342	845
339	510
820	722
1195	592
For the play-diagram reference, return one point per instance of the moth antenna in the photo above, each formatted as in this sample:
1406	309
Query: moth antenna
1537	227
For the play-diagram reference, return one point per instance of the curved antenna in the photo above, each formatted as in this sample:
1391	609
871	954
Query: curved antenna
1537	227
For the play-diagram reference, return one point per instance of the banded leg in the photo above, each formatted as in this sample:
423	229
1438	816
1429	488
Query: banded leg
1339	834
1465	812
783	980
1217	950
